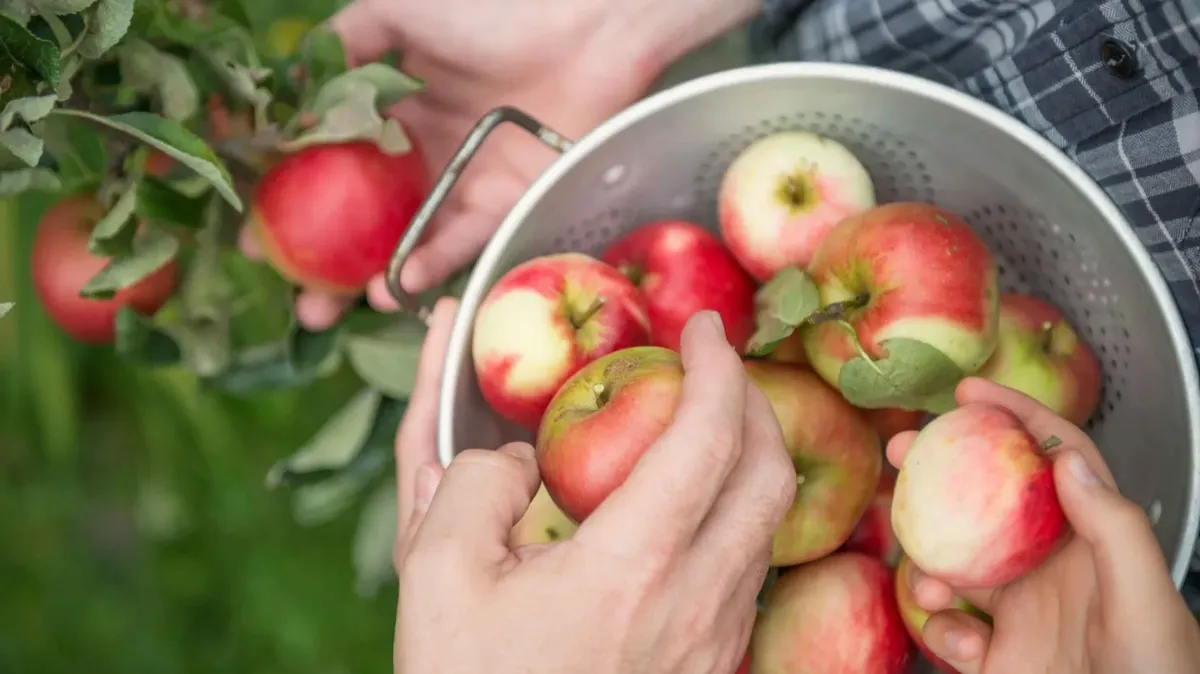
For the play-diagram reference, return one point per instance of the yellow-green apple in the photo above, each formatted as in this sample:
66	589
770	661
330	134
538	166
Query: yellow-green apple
542	321
782	195
543	522
681	268
837	614
602	421
914	616
889	422
975	503
909	307
837	458
1039	354
873	534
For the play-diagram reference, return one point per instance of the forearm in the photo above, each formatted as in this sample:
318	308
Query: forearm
662	31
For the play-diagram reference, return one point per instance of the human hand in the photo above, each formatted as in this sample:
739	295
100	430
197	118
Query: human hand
662	577
1103	603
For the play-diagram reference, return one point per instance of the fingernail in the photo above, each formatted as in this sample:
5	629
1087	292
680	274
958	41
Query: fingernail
520	450
716	321
427	483
1081	471
959	644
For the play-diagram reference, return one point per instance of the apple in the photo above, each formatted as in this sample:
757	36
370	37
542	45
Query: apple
544	320
911	287
873	534
890	422
543	522
681	269
61	266
837	614
975	503
602	421
837	456
781	196
1039	354
790	350
744	667
914	616
328	217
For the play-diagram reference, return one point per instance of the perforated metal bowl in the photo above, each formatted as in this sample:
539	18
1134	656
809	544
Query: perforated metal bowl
1055	232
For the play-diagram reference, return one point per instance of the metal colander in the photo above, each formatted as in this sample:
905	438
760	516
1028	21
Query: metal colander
1054	231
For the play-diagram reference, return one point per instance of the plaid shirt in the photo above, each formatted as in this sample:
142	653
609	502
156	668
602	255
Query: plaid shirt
1115	84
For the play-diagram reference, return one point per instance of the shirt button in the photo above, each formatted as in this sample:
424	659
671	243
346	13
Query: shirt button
1119	57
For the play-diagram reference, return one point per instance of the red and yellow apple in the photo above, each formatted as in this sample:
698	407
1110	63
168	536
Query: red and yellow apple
837	614
914	616
975	503
602	421
782	195
890	422
836	455
873	534
328	217
790	350
1039	354
916	298
544	320
543	522
681	268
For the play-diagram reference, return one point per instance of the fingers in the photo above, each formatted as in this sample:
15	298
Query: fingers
428	477
897	447
935	595
960	639
672	488
1039	419
318	311
249	244
452	244
481	496
366	30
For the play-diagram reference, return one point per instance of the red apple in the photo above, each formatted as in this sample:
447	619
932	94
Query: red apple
681	269
602	421
545	319
744	668
914	288
543	522
914	616
782	195
837	458
837	614
1040	355
790	350
975	503
873	534
328	217
890	422
61	266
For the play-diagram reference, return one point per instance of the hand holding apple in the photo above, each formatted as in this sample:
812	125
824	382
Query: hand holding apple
543	522
915	617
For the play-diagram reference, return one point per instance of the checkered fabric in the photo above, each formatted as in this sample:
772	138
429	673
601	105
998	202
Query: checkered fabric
1115	84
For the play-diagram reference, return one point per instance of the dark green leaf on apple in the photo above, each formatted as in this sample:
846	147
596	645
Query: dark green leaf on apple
113	234
152	249
308	351
140	342
913	376
387	358
391	86
26	51
355	117
78	150
23	145
158	201
108	22
782	305
16	181
164	76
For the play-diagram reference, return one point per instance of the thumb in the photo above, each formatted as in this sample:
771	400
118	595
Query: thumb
1116	529
366	31
482	495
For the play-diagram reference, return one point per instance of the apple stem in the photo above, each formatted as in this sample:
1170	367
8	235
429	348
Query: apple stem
1047	335
800	479
837	310
1050	443
580	320
601	392
632	272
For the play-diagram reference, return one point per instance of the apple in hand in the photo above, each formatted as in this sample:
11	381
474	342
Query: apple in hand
914	616
837	456
602	421
837	614
975	503
543	522
681	269
911	287
545	319
1039	354
873	534
782	195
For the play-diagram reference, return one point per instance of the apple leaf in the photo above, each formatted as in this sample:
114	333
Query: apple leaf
172	139
113	235
913	376
307	351
387	359
26	50
30	109
295	361
391	86
23	145
157	201
782	305
6	307
22	10
150	251
375	539
79	151
138	341
355	117
107	24
16	181
322	54
145	69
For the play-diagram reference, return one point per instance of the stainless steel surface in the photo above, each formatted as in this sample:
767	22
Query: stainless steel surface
1055	232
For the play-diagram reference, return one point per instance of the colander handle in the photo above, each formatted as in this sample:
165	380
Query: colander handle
445	182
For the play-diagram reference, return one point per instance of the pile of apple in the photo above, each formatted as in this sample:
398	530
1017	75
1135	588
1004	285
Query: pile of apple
867	317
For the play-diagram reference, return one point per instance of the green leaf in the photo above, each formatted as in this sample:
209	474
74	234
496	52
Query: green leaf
322	54
205	342
166	76
79	150
138	341
30	109
113	235
387	359
150	251
355	117
6	307
108	22
244	81
22	9
17	181
157	201
782	305
375	539
235	10
335	444
391	86
23	144
307	350
172	139
913	376
29	51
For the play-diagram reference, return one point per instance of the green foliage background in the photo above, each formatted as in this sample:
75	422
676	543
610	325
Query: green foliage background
136	534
